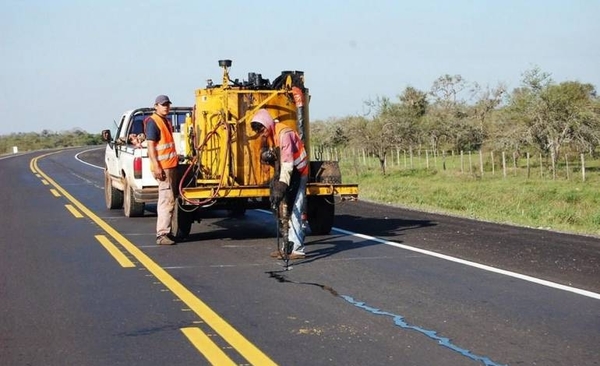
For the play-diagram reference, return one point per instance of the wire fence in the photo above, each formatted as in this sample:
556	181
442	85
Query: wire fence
568	166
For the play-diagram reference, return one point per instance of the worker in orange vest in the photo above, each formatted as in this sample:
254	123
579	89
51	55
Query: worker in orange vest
163	162
293	175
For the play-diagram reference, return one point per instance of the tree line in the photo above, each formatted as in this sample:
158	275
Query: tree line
47	139
538	117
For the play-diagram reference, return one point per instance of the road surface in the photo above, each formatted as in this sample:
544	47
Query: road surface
84	285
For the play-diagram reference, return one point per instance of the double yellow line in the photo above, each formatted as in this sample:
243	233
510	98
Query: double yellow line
213	353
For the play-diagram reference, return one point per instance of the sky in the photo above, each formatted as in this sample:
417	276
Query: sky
81	64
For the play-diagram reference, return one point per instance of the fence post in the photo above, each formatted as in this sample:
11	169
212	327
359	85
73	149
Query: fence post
528	167
481	162
567	166
462	162
493	163
504	164
582	168
553	158
470	163
444	160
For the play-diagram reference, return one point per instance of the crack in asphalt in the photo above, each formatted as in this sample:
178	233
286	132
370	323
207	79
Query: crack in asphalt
398	319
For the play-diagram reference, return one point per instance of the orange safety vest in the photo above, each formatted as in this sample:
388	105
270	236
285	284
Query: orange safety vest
165	147
300	157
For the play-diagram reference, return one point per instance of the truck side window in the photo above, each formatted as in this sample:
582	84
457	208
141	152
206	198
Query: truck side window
137	126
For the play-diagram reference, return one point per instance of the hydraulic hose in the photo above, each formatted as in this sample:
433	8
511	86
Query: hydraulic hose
194	162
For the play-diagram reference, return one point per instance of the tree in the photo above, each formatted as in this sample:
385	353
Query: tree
413	107
414	101
46	140
377	135
554	116
446	89
448	117
328	135
486	101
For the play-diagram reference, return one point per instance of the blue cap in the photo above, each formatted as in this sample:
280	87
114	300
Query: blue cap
161	99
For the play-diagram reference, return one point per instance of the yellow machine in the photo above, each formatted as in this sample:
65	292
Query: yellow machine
222	154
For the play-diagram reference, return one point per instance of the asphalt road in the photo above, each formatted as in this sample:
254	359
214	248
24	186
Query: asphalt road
83	285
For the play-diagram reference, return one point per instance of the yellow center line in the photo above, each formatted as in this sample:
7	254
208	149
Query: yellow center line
248	350
55	192
74	211
207	347
115	252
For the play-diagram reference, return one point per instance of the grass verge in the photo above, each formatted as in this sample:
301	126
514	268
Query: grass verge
561	205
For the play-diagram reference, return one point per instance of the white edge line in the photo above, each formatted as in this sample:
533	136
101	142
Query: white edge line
476	265
484	267
86	163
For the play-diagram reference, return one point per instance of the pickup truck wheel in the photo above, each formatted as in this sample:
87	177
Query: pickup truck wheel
320	214
112	196
131	208
181	223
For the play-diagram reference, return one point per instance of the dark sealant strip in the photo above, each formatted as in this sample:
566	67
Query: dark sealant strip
399	320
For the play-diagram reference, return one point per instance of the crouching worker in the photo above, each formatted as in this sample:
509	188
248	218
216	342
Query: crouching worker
293	175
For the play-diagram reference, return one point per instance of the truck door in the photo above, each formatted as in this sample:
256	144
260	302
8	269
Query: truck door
112	150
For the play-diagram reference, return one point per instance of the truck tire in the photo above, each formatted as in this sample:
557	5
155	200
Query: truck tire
237	208
112	196
181	222
131	208
320	214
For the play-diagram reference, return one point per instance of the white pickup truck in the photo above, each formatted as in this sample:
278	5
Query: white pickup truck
128	180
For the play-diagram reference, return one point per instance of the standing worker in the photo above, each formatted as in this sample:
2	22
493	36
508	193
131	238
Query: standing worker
163	162
293	175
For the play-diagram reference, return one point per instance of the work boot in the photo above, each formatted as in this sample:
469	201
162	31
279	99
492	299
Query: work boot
292	255
164	240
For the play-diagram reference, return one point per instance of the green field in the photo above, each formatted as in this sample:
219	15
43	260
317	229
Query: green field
524	194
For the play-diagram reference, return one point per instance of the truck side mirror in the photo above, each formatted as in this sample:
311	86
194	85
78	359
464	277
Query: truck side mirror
106	136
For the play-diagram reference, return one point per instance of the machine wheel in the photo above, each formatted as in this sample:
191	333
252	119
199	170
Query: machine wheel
181	222
237	208
112	196
320	212
131	208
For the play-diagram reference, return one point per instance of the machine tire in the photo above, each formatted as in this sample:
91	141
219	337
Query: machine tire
237	208
181	222
112	196
131	208
320	212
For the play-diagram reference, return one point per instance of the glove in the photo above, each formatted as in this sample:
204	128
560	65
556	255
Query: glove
278	192
268	157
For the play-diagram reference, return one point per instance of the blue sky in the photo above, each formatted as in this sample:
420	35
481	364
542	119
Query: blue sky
80	64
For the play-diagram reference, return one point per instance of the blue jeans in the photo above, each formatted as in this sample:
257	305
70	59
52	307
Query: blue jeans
296	231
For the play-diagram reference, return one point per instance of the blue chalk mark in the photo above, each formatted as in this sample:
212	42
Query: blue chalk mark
399	320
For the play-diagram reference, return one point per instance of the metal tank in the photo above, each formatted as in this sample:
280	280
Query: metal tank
221	153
